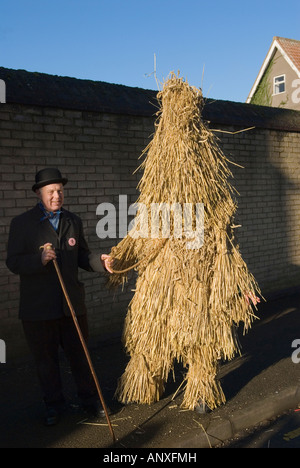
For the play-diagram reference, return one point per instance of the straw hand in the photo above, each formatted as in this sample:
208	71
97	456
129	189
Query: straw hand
48	253
250	296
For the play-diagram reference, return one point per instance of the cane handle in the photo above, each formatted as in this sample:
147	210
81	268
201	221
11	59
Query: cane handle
47	248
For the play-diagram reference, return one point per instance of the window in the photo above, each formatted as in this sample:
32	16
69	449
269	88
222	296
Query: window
279	84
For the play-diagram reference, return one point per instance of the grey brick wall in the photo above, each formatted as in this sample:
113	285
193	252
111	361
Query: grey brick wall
99	152
268	204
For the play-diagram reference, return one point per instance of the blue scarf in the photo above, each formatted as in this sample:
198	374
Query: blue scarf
51	215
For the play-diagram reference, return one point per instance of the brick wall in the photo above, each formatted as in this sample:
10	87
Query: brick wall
268	204
99	152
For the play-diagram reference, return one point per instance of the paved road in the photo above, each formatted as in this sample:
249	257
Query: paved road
281	432
259	385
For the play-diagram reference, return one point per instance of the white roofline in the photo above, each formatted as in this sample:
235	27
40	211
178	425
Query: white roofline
275	45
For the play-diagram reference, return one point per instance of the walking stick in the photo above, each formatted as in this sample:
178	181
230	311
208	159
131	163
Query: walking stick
83	343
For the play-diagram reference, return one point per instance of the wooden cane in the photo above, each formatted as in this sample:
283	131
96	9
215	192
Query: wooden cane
82	342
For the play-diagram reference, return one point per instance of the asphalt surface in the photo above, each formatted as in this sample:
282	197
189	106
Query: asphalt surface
259	385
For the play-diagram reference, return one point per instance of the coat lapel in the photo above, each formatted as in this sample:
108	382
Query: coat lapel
65	224
46	230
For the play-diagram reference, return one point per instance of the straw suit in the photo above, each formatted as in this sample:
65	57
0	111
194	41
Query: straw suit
187	299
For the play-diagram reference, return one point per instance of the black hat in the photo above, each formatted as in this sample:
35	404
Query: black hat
48	176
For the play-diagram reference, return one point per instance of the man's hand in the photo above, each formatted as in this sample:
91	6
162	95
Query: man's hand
107	262
48	253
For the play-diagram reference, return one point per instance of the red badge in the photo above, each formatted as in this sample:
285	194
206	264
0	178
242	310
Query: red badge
72	241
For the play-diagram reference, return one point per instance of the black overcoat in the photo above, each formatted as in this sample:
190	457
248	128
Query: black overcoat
41	296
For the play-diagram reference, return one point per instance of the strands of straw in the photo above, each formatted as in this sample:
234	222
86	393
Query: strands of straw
187	302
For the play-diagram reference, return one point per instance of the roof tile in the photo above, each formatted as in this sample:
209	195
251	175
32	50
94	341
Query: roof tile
292	48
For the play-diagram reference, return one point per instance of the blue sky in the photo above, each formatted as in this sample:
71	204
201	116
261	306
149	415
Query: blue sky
219	45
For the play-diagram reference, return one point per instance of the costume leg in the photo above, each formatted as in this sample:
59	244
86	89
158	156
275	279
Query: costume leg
143	380
202	383
43	340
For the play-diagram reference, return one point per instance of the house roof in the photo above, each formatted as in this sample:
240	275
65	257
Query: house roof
289	49
40	89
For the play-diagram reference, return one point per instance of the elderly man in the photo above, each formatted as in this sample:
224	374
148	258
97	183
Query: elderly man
44	312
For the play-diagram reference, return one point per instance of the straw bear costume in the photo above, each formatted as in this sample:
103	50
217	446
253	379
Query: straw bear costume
186	302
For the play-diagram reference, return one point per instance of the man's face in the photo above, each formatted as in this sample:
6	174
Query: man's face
52	196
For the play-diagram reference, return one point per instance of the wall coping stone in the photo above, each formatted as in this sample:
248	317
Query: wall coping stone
41	89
